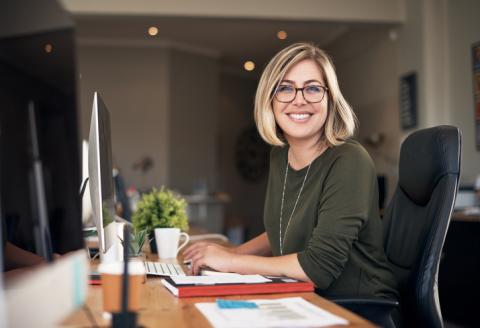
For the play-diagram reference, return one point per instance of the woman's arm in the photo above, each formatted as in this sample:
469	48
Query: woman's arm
217	258
16	257
257	246
286	265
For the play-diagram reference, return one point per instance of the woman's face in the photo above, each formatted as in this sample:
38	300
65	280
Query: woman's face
301	120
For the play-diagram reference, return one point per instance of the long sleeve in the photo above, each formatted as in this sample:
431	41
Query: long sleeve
344	208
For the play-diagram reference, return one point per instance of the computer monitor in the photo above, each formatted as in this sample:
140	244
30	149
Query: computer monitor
37	70
39	171
102	191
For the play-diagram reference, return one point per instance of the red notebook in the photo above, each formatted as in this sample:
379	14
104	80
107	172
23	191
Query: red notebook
275	285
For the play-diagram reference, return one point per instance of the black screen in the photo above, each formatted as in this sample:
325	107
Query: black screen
39	68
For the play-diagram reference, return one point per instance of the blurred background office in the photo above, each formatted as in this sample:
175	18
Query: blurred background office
179	78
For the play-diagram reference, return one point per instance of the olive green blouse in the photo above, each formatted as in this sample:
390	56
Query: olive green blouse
335	229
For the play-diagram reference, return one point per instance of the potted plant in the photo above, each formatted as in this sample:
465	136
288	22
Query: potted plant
137	240
160	209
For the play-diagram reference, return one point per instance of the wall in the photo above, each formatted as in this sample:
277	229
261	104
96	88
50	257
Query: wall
193	123
133	82
176	107
463	31
163	105
365	59
411	40
435	42
236	114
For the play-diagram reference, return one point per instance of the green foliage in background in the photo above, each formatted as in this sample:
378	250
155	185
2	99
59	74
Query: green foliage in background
160	209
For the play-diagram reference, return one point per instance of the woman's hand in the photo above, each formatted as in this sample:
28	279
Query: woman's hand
198	245
209	254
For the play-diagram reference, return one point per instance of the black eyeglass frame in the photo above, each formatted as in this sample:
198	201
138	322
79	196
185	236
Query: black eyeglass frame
325	89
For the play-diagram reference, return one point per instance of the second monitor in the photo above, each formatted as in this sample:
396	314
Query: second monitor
102	192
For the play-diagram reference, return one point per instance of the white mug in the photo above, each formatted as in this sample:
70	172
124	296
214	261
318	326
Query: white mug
167	242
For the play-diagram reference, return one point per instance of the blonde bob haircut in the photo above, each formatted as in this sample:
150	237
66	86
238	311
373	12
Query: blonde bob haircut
341	121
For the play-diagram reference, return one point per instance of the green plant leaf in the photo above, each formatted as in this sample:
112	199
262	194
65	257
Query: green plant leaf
160	209
137	239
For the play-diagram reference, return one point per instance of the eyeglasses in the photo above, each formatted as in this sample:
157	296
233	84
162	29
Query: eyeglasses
311	93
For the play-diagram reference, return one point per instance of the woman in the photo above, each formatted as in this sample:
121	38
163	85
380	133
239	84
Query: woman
321	208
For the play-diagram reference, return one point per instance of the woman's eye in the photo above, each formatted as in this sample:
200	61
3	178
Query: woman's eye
285	88
313	89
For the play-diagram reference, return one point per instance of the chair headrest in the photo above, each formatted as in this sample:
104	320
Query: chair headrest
425	156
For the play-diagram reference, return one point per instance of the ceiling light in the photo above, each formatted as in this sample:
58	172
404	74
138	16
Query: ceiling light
152	30
249	65
48	48
282	35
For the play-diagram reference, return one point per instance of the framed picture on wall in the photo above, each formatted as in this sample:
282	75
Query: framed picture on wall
408	101
476	90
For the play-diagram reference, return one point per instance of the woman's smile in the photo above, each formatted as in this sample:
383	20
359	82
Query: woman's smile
299	117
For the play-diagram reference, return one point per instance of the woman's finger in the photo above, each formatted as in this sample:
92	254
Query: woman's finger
192	249
197	262
191	252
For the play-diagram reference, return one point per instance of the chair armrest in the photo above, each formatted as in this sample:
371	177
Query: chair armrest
377	310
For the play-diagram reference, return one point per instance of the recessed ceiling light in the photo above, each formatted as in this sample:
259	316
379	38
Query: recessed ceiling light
48	48
282	35
152	30
249	65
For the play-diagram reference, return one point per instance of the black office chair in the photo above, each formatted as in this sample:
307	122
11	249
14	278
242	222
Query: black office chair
415	225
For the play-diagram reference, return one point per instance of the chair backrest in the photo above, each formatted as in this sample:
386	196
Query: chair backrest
417	218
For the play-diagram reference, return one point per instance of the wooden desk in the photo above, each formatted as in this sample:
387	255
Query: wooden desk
161	309
462	217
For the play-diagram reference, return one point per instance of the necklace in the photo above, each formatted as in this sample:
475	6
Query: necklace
294	206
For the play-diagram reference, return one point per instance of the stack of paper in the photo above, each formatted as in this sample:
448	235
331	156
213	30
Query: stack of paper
220	279
221	285
284	312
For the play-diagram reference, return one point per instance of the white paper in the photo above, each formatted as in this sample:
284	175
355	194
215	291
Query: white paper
172	289
283	312
218	273
219	279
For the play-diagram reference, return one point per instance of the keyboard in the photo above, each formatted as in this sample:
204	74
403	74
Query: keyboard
163	269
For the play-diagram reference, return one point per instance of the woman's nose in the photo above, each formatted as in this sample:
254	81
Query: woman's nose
299	99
